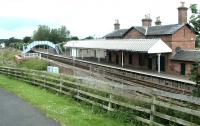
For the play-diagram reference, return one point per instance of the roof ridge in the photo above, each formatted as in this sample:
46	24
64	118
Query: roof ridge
165	25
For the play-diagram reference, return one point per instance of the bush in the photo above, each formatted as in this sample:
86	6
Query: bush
35	64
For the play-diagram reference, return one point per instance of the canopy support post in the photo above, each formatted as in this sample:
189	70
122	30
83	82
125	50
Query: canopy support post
158	62
82	54
98	55
122	59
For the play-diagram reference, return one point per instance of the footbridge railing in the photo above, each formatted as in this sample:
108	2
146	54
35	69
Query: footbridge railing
28	47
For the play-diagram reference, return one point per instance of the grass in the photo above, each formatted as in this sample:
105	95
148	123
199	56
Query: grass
61	108
35	64
7	58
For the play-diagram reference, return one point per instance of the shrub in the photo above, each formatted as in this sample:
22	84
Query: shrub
35	64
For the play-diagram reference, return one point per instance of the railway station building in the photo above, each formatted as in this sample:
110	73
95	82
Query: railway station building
161	48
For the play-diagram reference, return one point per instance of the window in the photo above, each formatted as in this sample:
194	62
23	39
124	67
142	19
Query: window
130	58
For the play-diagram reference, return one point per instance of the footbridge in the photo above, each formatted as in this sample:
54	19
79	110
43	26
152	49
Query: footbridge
28	47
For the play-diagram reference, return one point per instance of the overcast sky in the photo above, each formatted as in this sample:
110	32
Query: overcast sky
19	18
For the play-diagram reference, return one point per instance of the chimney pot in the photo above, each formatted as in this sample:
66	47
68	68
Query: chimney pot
146	21
158	22
182	4
116	25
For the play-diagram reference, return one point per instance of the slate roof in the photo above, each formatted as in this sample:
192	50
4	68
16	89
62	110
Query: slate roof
186	55
164	29
116	34
149	31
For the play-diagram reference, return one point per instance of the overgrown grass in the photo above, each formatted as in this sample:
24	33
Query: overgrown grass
61	108
7	57
35	64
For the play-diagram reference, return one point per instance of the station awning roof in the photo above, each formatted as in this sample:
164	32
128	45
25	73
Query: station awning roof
133	45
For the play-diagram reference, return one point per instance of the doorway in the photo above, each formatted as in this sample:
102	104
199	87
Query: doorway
182	68
117	59
150	63
109	57
162	63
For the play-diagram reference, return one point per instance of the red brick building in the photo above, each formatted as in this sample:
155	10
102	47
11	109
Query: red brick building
179	37
130	47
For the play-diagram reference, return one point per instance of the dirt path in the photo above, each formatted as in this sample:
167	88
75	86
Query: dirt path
15	112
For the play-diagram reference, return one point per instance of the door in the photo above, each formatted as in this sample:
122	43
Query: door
117	59
150	63
110	57
162	63
182	68
130	59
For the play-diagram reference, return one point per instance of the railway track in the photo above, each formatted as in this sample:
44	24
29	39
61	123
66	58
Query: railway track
185	88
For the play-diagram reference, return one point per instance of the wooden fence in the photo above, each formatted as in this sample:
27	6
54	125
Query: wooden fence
153	107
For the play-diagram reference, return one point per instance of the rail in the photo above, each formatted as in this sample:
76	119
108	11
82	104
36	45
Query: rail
148	108
152	80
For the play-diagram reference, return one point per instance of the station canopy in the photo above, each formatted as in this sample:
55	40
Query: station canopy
133	45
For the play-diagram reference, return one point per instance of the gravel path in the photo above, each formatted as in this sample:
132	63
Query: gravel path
15	112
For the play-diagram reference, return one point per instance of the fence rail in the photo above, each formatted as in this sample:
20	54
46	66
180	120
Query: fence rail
148	108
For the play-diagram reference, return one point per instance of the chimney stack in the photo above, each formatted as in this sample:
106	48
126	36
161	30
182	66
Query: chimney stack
182	13
116	25
158	22
146	21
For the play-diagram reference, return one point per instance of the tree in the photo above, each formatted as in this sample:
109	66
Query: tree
44	33
89	37
27	39
195	76
195	21
74	38
64	33
14	42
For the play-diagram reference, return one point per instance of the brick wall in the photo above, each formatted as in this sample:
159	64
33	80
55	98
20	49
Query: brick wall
175	67
184	38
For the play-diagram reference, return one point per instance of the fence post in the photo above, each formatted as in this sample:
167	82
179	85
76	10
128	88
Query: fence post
40	57
33	78
8	71
44	79
110	104
78	88
90	70
61	82
153	109
15	73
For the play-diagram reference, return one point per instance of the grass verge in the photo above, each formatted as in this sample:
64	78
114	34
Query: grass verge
61	108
